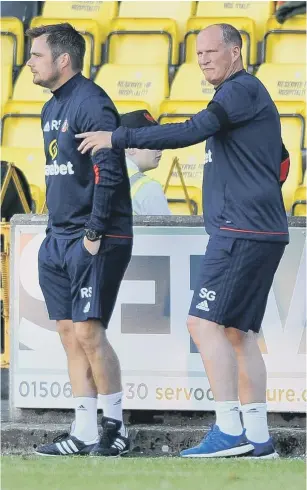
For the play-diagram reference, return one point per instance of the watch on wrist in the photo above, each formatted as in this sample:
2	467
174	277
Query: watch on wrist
92	235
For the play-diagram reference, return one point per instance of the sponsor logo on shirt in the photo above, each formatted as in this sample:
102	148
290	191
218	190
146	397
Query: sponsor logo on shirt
65	126
54	125
62	169
53	149
54	168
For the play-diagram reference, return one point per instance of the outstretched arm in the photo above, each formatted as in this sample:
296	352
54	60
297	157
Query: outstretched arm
167	136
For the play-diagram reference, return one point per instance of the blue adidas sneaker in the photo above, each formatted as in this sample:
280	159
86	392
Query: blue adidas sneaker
263	450
217	444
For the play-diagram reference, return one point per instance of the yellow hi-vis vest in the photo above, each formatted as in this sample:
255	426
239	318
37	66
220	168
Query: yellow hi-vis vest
137	180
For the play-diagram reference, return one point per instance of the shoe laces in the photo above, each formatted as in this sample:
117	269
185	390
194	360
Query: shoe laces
61	437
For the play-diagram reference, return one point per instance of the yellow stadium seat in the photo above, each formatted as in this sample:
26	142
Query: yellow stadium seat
191	161
299	201
178	204
92	19
21	125
244	25
12	41
32	162
134	82
190	93
100	12
258	11
285	43
190	84
6	85
7	52
286	84
179	110
143	41
294	178
125	106
293	123
178	11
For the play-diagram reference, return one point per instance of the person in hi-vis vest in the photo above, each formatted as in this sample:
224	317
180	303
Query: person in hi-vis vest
147	194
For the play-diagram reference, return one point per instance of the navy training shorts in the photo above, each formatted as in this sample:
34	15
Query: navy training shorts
234	281
78	286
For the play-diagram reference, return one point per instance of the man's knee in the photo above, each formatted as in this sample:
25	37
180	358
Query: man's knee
238	338
66	331
90	334
199	328
65	328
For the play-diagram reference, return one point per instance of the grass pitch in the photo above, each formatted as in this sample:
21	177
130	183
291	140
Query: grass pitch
81	473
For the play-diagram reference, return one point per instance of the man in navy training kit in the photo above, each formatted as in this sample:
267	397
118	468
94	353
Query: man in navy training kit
87	247
245	217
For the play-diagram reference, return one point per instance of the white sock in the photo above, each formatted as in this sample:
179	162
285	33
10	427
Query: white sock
85	424
112	408
228	417
255	422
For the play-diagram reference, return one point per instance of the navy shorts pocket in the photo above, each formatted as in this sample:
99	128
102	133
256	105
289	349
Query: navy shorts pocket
105	247
219	247
84	249
43	252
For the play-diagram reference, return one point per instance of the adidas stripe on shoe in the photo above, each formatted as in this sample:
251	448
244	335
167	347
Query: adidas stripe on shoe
217	444
262	450
66	445
112	443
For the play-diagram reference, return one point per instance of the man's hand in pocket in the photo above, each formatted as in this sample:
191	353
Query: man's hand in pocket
91	247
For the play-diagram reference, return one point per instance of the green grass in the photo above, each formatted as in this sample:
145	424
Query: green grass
32	473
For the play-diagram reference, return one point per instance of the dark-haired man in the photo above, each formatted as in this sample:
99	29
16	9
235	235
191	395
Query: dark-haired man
245	217
87	249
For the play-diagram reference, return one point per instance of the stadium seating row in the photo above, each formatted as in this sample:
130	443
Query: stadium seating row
103	12
21	122
148	35
145	83
132	85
